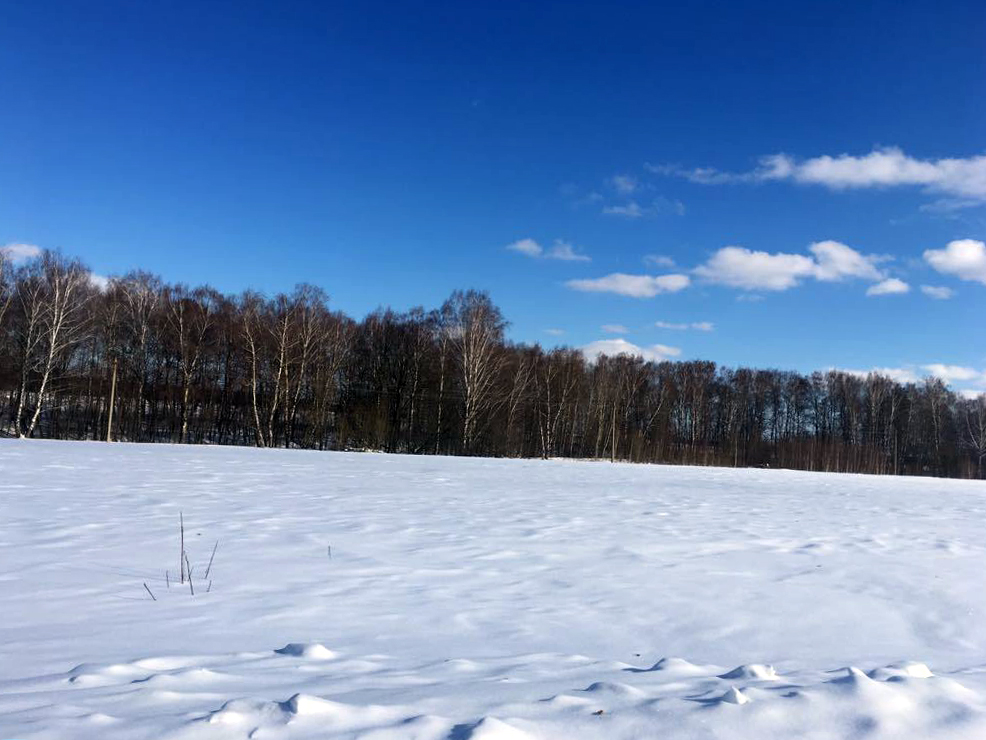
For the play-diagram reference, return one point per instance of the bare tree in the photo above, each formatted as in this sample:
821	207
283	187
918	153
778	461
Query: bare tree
6	285
57	302
198	366
190	315
477	337
140	294
974	415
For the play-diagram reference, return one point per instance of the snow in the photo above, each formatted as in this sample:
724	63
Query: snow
481	599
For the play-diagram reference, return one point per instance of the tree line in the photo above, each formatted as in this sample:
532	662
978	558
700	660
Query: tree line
141	360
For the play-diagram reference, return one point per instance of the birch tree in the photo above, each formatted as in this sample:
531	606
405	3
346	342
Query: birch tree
58	299
476	334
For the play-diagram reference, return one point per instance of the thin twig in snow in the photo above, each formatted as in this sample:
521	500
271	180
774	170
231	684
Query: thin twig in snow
189	569
215	547
150	592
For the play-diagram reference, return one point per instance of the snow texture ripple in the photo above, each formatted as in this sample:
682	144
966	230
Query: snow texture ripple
390	597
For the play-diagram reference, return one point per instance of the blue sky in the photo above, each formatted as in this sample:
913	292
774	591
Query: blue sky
393	152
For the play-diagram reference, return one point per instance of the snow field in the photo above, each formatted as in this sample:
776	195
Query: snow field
489	599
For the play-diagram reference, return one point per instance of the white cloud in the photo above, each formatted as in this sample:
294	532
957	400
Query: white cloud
886	168
527	247
614	329
657	207
837	261
554	332
830	261
20	252
938	292
561	250
972	393
890	286
963	258
100	282
899	374
700	175
952	373
635	286
564	251
948	206
739	267
696	325
658	260
630	210
625	184
962	178
613	347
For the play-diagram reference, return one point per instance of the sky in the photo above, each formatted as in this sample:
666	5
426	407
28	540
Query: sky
769	184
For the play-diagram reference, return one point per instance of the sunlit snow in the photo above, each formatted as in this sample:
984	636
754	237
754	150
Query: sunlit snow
377	596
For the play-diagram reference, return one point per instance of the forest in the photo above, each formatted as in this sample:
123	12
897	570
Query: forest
136	359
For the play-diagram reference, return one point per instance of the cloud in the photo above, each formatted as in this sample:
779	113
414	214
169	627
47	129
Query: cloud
890	286
972	393
955	374
624	184
830	261
938	292
100	282
837	261
696	325
20	252
635	286
658	260
527	247
962	179
613	347
899	374
952	373
554	332
948	206
561	250
739	267
657	207
700	175
963	258
630	210
614	329
565	252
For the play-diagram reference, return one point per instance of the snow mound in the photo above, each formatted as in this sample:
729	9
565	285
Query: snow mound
734	696
753	672
246	712
614	688
305	710
184	678
305	705
92	674
901	670
678	667
308	650
489	728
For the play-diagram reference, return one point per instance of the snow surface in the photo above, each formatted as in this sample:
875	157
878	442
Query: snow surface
481	599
